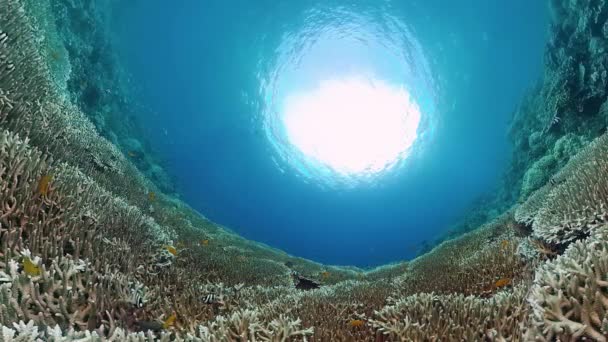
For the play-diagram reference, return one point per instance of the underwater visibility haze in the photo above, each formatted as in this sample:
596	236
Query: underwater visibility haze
324	171
349	133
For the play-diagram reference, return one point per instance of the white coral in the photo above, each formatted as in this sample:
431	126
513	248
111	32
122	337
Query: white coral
13	272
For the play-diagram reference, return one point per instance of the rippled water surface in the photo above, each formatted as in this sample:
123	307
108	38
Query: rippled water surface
346	132
344	94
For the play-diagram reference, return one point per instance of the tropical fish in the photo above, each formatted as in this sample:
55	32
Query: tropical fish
325	274
502	282
171	250
152	196
205	242
504	244
132	154
356	323
43	184
169	321
212	299
30	267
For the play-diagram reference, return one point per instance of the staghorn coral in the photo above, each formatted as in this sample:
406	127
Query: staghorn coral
526	212
247	325
570	294
70	295
580	203
470	264
431	317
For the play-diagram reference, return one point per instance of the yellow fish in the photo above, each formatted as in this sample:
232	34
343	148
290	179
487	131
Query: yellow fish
356	323
204	242
171	250
325	274
30	267
504	244
43	184
169	321
502	282
152	196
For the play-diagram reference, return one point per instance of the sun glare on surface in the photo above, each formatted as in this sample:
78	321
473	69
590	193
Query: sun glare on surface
352	125
348	99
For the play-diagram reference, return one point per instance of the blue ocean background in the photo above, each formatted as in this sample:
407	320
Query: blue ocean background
197	65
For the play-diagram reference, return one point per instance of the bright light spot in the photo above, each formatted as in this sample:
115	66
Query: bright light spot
353	125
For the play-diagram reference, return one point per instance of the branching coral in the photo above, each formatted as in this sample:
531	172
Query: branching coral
580	202
470	264
526	212
570	294
431	317
247	325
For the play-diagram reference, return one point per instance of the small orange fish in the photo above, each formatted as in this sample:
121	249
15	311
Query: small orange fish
30	267
152	196
325	274
502	282
504	244
205	242
356	323
169	321
43	185
171	250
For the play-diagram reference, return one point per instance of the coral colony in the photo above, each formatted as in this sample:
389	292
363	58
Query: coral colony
92	249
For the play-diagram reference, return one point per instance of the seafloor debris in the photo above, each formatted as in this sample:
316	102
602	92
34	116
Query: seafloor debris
303	283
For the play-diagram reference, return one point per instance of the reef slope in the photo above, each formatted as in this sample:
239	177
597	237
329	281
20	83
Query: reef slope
91	249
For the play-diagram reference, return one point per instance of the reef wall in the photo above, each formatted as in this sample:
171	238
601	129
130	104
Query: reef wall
92	249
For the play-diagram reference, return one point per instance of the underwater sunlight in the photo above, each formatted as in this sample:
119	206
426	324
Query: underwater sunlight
353	126
347	96
349	133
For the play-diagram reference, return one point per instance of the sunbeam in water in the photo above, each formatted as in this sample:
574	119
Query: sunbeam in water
352	126
347	98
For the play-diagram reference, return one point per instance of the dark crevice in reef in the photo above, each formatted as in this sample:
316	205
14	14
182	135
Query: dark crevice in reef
88	242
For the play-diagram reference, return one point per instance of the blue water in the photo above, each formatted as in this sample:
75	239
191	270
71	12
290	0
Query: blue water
212	72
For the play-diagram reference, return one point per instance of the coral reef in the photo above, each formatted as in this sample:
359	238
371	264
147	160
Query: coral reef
569	297
92	249
429	317
575	200
470	264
